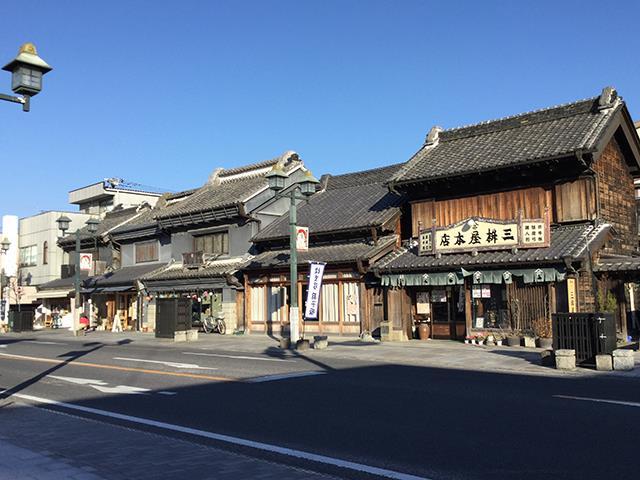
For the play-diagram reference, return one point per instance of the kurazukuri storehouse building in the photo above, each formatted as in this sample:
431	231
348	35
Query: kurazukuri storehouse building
517	218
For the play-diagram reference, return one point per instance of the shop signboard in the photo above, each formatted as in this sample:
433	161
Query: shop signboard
422	303
482	234
316	269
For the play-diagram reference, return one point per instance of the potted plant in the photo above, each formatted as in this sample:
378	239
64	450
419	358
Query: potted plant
542	330
513	339
480	339
529	338
467	339
491	340
499	338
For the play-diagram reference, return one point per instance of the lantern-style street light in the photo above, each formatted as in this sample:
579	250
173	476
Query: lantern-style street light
5	244
307	186
27	70
63	225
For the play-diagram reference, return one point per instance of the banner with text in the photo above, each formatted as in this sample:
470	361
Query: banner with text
316	270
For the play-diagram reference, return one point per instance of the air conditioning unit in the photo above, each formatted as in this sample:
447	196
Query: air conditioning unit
67	271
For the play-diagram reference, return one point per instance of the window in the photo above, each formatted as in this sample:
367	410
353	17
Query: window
350	302
29	256
214	243
147	251
45	253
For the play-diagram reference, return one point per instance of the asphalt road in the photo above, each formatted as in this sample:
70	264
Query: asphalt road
432	423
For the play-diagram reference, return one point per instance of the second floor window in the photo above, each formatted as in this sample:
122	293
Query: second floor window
215	243
29	256
147	252
45	253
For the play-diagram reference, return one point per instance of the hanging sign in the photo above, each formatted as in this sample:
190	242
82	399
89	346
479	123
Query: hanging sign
316	271
571	295
480	234
302	239
86	261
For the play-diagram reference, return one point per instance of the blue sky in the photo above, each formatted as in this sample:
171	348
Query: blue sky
161	92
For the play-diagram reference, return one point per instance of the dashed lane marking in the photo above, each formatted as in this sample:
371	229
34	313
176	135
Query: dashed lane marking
239	357
75	363
284	376
190	366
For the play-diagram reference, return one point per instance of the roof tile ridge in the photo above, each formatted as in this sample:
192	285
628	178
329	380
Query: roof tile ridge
592	136
517	115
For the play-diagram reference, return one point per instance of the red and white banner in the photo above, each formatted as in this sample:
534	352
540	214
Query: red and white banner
86	261
302	239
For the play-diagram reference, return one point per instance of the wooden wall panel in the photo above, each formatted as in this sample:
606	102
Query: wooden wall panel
575	200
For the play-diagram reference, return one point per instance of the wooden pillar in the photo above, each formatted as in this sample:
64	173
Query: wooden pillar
468	312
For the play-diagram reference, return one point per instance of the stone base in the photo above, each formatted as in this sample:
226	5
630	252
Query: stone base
285	343
565	359
604	363
180	336
623	360
320	342
192	335
530	342
303	345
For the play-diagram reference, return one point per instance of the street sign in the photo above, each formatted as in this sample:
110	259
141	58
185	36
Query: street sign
86	261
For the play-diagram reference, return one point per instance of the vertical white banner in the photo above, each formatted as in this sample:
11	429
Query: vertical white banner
316	270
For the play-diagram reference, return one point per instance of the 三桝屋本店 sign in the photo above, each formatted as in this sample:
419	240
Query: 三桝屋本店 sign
484	234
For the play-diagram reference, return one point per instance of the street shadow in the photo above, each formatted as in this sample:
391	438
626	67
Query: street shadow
381	415
9	341
69	357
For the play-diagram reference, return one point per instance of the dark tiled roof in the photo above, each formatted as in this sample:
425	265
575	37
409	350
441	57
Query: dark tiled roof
123	276
110	221
347	252
352	201
617	264
145	220
230	188
520	139
566	241
177	271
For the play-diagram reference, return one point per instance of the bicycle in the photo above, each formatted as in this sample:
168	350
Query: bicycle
214	324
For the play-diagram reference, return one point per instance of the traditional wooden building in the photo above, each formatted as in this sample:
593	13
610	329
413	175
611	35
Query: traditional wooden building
353	221
518	218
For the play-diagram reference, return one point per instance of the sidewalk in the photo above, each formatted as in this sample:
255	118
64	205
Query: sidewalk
38	444
432	353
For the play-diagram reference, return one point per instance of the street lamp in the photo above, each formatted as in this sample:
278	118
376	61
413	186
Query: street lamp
307	186
4	248
27	70
63	225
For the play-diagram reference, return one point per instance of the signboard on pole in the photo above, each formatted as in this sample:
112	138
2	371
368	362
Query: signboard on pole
86	261
316	270
302	239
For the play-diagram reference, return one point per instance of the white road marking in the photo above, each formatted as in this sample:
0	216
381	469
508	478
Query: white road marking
42	342
267	447
124	389
599	400
167	393
190	366
79	381
284	376
3	346
238	357
101	386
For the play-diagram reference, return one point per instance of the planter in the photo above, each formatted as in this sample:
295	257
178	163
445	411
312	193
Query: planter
490	343
513	341
424	331
466	341
499	343
546	343
530	342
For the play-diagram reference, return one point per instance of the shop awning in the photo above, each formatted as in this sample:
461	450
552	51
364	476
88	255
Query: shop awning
111	289
527	275
57	293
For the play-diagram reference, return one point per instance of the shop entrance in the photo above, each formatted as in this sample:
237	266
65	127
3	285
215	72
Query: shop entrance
448	312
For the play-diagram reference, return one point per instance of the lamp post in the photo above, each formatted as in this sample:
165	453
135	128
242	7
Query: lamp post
92	225
4	248
307	187
27	70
